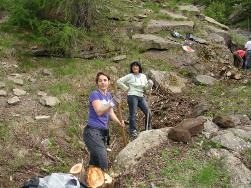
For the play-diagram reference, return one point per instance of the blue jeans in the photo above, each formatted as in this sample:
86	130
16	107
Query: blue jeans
134	102
247	60
95	141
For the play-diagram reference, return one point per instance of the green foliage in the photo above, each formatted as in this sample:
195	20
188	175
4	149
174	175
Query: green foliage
27	66
217	11
172	4
129	181
151	5
5	134
209	176
24	14
57	24
59	34
247	155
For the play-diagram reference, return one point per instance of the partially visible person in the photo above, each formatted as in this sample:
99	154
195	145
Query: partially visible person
135	84
239	58
96	132
248	55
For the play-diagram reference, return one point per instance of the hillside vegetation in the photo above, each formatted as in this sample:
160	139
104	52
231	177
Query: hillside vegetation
37	140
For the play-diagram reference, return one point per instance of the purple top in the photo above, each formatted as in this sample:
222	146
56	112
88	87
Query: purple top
94	120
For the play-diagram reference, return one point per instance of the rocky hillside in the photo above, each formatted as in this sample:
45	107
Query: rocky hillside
43	103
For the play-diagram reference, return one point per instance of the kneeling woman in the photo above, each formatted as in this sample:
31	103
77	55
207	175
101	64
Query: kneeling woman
96	133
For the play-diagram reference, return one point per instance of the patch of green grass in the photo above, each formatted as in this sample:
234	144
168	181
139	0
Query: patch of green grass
225	99
27	65
6	135
33	129
58	89
191	170
247	155
129	181
50	63
164	182
69	68
19	163
153	6
151	175
209	175
160	65
7	40
164	154
162	16
62	168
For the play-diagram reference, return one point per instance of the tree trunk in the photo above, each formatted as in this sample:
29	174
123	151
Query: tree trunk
87	14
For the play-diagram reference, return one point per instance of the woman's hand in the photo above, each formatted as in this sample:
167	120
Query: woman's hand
122	123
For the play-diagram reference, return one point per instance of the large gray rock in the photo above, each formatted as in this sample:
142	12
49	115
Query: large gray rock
211	20
148	41
240	175
193	125
133	152
173	15
49	101
155	26
228	140
205	79
167	80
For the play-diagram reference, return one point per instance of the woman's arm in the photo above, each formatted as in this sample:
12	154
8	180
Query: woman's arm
121	82
99	109
114	118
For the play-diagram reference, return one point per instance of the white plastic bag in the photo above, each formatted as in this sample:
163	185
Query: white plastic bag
59	180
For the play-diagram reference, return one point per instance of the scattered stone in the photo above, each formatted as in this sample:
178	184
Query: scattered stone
179	135
240	175
3	102
41	93
19	92
47	72
42	117
224	121
15	75
32	79
49	101
233	143
205	79
119	58
210	129
201	109
3	93
46	143
2	85
195	126
16	80
167	80
211	20
173	15
114	69
189	8
34	48
13	100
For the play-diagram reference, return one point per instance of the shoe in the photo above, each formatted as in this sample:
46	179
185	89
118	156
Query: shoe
134	134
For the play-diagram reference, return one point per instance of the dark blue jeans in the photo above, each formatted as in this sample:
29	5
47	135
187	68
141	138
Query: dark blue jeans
246	64
134	102
95	141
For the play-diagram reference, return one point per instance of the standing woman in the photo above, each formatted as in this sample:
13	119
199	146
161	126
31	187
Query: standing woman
248	55
96	133
137	84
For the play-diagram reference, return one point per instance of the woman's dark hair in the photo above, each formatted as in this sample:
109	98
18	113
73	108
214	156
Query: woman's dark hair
135	63
101	73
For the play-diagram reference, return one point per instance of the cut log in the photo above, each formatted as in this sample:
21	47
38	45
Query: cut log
95	177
